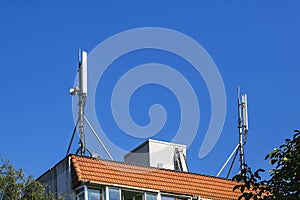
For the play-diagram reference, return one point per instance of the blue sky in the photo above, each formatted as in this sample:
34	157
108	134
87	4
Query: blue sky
254	44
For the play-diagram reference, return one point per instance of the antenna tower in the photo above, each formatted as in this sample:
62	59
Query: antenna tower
81	91
243	130
242	126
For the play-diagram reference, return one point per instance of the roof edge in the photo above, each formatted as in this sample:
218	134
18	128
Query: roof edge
148	167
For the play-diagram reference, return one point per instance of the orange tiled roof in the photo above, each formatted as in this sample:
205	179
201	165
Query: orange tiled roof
110	172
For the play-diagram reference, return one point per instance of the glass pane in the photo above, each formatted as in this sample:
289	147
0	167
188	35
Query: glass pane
167	198
94	194
138	197
81	196
150	196
80	190
114	194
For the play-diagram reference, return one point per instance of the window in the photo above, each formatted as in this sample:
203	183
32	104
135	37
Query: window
94	194
132	194
172	198
127	194
138	197
167	198
80	194
114	194
150	196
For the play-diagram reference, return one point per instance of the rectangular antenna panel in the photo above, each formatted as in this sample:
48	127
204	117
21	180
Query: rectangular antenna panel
83	73
245	111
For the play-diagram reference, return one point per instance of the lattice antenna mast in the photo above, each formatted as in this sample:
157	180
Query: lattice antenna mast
82	94
81	91
243	130
242	126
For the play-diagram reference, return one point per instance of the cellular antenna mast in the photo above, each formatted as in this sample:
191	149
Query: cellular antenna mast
242	126
82	91
243	130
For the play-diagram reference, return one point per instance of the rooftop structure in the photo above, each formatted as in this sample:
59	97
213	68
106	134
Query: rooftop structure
154	153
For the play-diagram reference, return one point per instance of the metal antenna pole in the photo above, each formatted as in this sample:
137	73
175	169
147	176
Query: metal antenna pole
81	91
235	150
74	131
243	126
82	69
230	168
81	104
243	130
95	134
240	127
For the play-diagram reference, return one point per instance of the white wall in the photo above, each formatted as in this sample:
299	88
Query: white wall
163	153
154	153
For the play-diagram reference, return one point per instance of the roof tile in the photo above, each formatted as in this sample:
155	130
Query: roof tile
110	172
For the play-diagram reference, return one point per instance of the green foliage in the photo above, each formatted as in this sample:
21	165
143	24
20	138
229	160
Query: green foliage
284	182
15	185
251	187
11	180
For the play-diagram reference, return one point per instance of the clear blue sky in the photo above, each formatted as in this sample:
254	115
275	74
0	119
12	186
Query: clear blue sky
254	44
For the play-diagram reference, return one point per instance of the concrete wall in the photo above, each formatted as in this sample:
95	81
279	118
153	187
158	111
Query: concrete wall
139	155
58	179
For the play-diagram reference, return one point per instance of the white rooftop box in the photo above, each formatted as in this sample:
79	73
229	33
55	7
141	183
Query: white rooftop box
159	154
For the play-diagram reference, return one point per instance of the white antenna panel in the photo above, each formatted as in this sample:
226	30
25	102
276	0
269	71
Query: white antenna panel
245	111
83	73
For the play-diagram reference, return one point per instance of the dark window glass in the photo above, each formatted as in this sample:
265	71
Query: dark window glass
81	196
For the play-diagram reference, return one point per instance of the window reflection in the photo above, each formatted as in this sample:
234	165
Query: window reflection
150	196
94	194
167	198
114	194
